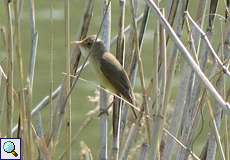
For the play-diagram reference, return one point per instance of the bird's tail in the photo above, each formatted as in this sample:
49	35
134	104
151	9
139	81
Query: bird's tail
131	100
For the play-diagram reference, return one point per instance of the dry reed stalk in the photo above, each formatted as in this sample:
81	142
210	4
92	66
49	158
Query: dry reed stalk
85	152
217	135
10	71
140	42
132	133
127	29
34	38
143	26
195	44
2	77
202	103
129	141
159	113
212	144
26	120
84	124
3	74
118	104
172	13
131	69
183	5
51	68
181	144
226	141
211	149
137	49
75	57
179	105
155	95
200	16
40	137
40	106
178	110
68	122
44	152
137	54
220	84
209	45
51	60
190	111
187	56
189	114
191	41
3	100
106	33
22	102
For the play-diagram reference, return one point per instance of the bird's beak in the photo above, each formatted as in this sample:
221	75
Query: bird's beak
76	42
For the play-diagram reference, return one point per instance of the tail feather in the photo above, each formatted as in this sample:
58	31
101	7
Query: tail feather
131	100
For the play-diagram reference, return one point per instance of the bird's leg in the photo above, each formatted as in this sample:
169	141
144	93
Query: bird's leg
102	111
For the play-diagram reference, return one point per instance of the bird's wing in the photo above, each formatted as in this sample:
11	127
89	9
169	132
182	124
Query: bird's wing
116	75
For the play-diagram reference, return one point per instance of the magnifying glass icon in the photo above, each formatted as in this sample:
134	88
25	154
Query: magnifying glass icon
9	147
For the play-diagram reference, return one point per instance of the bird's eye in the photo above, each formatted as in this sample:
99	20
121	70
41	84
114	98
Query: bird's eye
88	44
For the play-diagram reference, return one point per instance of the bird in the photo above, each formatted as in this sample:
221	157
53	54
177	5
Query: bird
108	69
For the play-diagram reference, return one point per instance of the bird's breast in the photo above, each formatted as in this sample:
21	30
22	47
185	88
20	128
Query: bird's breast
104	82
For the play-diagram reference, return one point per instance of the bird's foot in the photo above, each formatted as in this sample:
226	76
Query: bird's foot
105	110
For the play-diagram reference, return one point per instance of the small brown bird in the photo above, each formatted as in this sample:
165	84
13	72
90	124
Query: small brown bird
110	72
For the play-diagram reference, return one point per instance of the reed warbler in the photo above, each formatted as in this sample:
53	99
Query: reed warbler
110	72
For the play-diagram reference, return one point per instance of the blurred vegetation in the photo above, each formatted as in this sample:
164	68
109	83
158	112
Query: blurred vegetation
80	102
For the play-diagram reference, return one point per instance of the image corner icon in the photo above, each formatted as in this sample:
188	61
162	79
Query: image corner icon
10	149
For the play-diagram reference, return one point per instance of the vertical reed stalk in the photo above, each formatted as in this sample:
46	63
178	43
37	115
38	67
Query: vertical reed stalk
159	114
129	141
68	122
75	57
23	116
10	70
51	67
217	135
190	111
137	51
200	16
172	13
3	100
26	120
176	118
118	104
19	59
155	95
225	105
220	85
227	146
106	32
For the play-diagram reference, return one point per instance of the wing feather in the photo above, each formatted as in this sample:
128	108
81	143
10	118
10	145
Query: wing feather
116	75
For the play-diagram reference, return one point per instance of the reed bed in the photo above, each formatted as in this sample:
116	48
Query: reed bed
176	54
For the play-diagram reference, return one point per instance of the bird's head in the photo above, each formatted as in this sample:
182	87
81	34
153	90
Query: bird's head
90	43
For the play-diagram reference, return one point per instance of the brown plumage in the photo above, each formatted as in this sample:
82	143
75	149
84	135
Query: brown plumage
110	72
